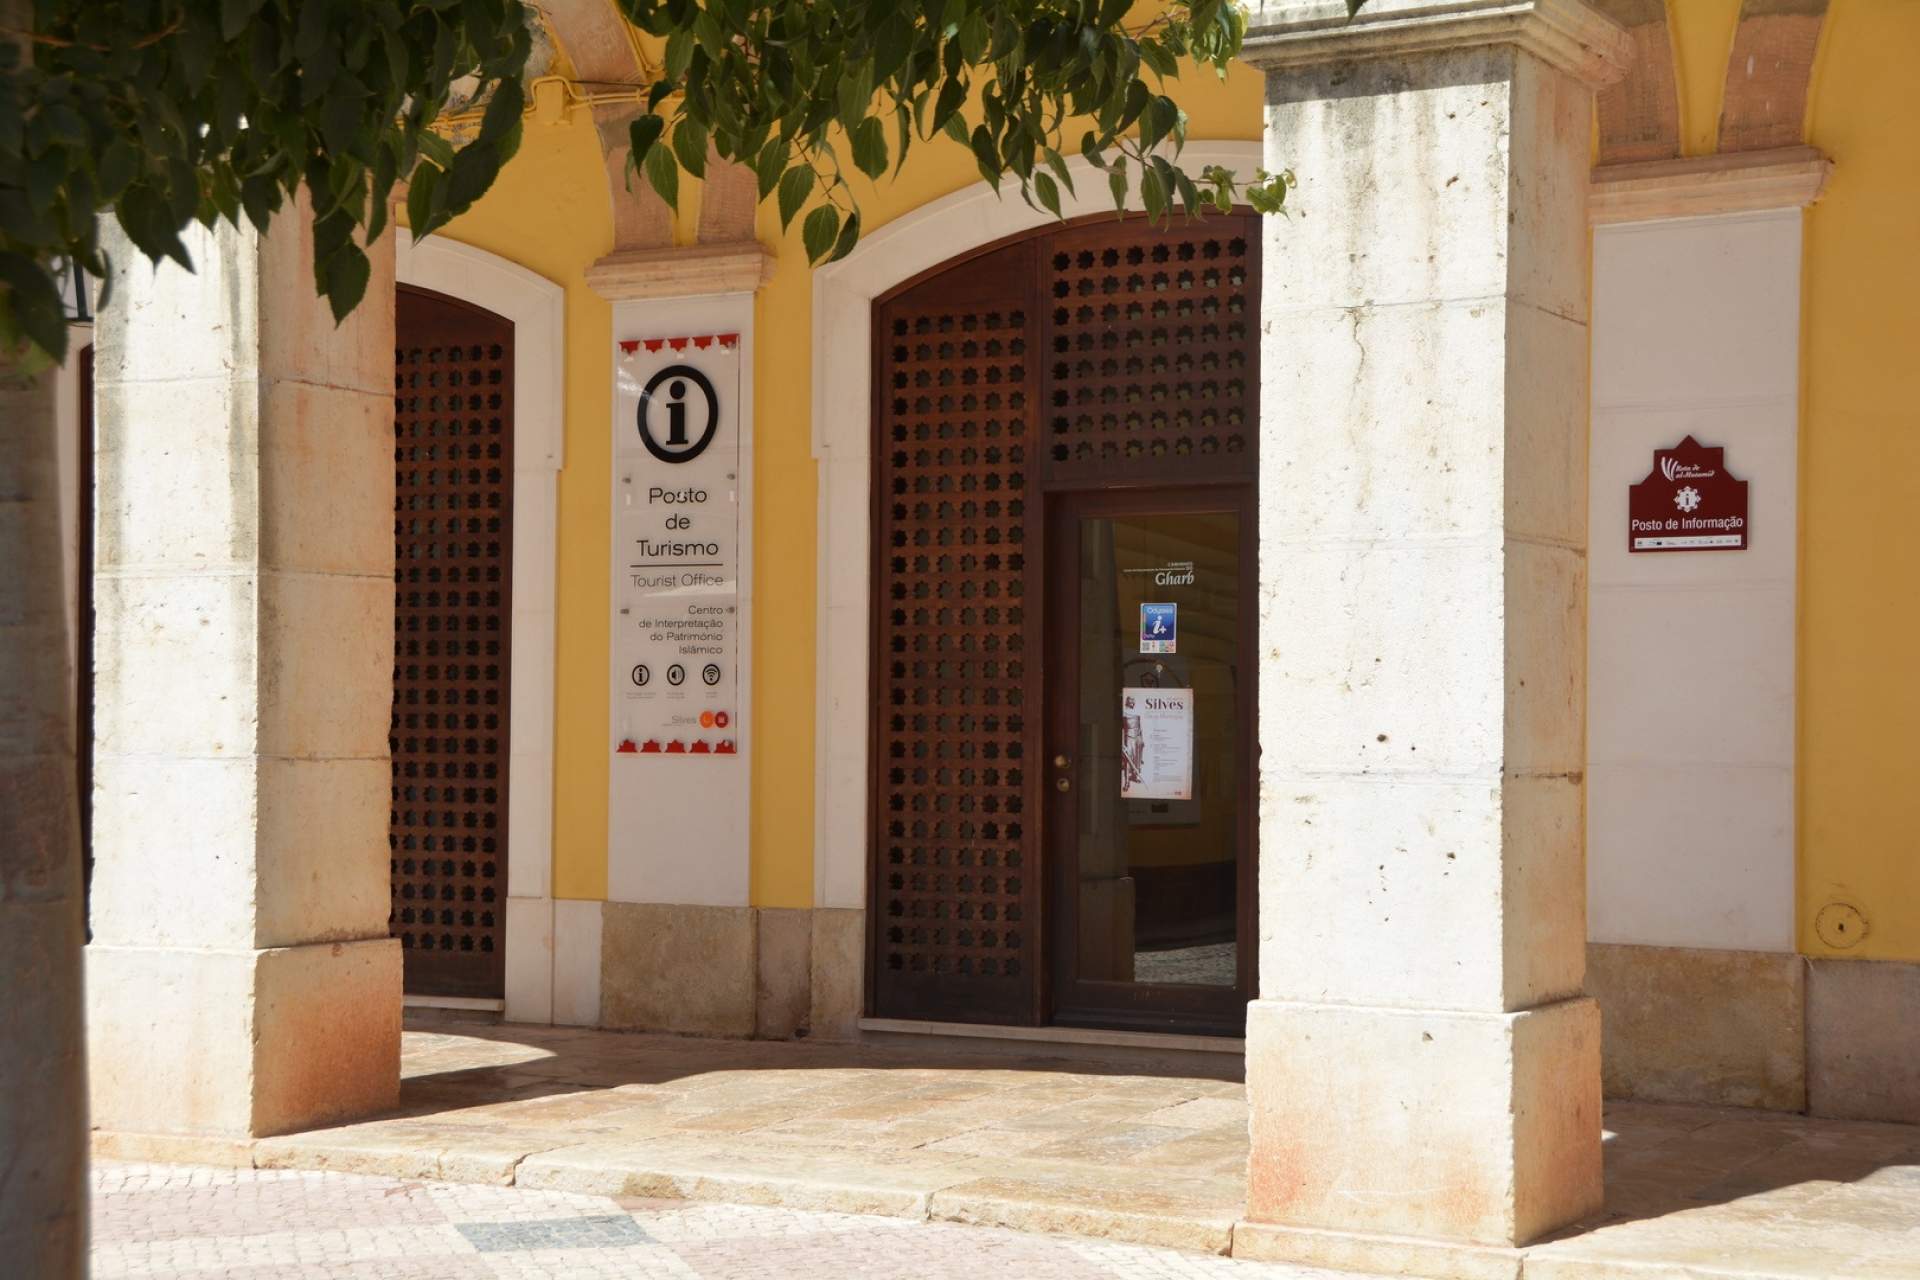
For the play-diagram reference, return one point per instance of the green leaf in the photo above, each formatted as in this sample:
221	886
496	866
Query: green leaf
347	274
260	198
974	36
767	166
503	109
34	301
422	189
1153	194
946	110
680	46
690	146
819	231
870	147
234	15
663	172
849	236
985	155
642	134
795	186
436	148
1048	193
856	92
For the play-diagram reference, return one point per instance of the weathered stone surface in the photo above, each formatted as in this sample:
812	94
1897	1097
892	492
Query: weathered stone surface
241	980
1722	1028
839	972
1423	624
677	968
326	1034
1454	1126
1062	1143
1863	1039
784	960
242	1043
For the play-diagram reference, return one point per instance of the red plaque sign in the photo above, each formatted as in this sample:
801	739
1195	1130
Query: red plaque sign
1688	502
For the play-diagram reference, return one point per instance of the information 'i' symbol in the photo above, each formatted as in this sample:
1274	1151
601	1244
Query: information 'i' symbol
677	389
677	415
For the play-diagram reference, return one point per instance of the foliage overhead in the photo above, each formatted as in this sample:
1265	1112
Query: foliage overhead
808	91
172	111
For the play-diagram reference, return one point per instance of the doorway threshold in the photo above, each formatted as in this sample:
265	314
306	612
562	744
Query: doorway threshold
468	1004
1090	1036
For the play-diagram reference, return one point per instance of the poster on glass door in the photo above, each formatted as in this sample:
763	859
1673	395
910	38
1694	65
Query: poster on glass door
1156	744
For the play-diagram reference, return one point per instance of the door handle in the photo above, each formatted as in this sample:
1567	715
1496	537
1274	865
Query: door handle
1063	784
1061	762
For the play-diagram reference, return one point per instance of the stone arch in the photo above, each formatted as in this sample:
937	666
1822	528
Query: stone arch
1639	116
1768	69
600	46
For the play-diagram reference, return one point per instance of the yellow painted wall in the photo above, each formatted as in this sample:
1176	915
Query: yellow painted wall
1702	36
1860	487
1860	575
550	213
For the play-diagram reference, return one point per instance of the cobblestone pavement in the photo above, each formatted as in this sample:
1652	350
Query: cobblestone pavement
199	1223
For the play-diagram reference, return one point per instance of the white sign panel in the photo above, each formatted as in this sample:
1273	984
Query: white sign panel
676	545
1156	744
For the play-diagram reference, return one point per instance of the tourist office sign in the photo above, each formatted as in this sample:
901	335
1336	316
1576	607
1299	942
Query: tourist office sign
676	526
1688	502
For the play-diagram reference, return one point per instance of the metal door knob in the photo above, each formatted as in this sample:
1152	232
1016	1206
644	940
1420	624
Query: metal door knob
1061	762
1063	784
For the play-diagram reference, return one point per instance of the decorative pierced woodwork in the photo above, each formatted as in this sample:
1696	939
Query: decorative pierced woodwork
1151	351
954	894
1101	353
453	559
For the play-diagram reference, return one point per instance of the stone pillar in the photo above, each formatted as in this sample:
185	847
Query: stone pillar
241	981
43	1113
1422	1062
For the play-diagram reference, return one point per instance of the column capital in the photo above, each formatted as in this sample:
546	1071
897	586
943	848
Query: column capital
1567	34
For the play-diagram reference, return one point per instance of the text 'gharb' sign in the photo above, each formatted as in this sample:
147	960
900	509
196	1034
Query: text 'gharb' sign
1688	502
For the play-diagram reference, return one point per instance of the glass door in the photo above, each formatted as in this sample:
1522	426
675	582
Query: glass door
1149	759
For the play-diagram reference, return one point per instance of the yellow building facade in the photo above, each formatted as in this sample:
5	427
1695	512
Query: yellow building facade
920	727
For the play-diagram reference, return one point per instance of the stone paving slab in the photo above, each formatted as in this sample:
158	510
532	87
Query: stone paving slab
1027	1141
197	1223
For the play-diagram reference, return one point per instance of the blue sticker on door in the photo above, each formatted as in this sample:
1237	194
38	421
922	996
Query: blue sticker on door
1159	625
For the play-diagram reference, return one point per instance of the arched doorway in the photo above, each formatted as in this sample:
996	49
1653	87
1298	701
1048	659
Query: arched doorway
1063	686
453	611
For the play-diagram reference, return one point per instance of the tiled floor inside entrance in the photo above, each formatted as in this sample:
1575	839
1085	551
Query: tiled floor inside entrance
1142	1152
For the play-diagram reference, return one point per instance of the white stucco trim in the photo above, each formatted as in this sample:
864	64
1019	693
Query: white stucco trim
843	295
537	307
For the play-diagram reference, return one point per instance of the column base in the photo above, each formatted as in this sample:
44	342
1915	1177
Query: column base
1375	1255
242	1044
1440	1125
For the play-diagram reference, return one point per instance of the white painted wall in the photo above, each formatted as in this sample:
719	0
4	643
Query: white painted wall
1690	713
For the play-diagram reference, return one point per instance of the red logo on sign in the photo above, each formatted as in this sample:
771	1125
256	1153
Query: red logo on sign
1688	502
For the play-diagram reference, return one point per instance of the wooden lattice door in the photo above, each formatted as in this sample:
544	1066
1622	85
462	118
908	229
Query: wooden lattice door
1104	354
453	557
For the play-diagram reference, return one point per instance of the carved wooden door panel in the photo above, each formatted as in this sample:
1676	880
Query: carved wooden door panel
453	610
1103	355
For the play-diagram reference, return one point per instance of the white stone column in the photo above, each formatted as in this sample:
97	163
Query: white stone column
241	980
1421	1062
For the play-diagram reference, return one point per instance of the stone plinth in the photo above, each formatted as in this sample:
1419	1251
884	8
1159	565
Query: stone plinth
241	979
1422	1063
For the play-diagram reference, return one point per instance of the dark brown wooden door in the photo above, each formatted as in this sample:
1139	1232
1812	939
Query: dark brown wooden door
1150	822
1102	356
453	611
